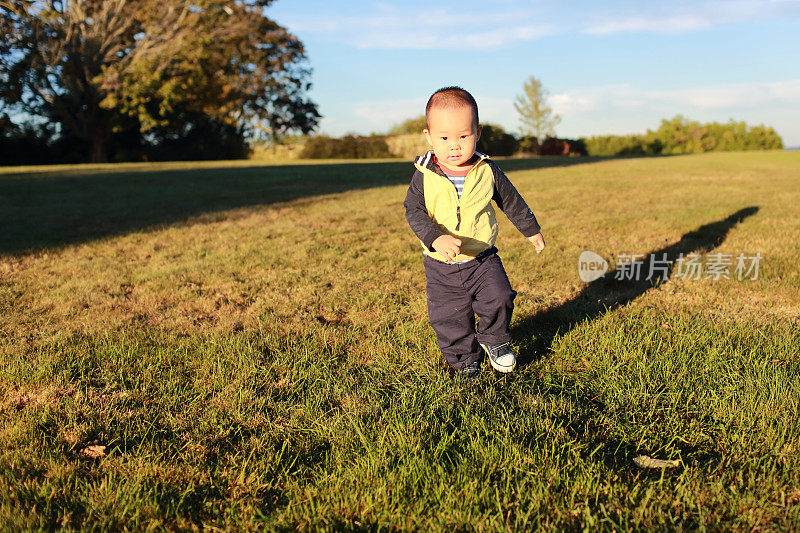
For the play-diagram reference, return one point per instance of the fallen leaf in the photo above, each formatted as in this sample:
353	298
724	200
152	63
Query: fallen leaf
644	461
94	451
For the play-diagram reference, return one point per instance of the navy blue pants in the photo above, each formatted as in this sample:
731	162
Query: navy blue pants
456	293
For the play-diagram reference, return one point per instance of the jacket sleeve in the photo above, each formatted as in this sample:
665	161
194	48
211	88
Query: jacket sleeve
417	216
513	205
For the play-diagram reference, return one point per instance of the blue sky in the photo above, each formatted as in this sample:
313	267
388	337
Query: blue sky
611	67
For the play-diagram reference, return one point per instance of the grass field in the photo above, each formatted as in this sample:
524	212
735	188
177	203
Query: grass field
245	347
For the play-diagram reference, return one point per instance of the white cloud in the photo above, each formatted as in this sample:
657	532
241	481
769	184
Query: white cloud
716	97
425	39
682	16
736	95
390	28
370	116
381	115
642	24
498	111
576	102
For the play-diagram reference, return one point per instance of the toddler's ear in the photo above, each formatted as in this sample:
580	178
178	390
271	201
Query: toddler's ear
478	134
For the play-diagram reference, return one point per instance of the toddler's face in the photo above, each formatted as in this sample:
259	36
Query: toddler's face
452	135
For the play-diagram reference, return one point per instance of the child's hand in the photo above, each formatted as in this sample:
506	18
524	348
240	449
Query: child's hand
448	246
538	242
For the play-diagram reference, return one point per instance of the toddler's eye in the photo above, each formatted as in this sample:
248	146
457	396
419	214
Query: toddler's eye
463	136
444	138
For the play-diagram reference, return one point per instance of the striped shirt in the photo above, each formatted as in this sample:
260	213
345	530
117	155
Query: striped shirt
457	177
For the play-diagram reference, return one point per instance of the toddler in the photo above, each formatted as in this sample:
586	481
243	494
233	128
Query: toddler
449	208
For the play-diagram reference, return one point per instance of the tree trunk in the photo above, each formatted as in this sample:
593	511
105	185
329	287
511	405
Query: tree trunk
99	138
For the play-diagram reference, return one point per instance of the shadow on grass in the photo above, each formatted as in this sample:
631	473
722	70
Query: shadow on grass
54	208
536	333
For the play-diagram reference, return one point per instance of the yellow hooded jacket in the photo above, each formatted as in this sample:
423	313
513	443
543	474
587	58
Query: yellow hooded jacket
433	207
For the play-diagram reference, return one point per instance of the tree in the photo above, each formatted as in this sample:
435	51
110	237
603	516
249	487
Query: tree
535	114
495	141
100	66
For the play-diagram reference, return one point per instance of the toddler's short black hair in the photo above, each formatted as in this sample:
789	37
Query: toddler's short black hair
450	97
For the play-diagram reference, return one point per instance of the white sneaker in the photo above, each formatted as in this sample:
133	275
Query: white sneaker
502	357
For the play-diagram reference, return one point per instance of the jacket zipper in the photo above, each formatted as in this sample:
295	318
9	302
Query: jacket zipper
458	201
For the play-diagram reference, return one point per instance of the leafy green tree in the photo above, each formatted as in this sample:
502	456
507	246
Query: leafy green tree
100	66
535	114
680	135
496	142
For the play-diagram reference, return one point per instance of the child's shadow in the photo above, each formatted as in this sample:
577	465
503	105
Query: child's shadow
535	334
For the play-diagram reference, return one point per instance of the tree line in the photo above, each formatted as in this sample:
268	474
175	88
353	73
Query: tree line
118	80
681	135
678	135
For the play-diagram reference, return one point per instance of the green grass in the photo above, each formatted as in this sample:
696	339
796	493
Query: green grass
250	344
